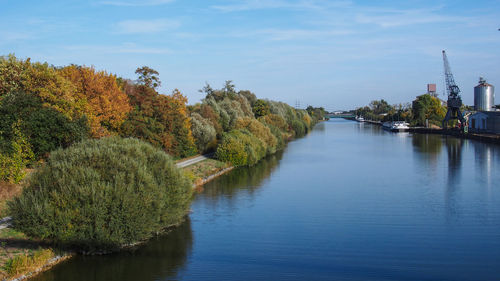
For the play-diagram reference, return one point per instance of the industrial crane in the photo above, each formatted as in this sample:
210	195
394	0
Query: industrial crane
454	99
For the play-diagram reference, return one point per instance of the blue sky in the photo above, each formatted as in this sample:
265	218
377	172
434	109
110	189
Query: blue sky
337	54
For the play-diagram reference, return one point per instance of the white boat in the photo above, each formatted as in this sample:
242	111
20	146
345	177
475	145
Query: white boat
360	119
396	126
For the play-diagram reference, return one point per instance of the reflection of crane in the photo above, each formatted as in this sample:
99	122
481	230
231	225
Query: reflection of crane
454	99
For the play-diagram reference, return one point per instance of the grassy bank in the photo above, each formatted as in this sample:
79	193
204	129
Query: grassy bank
21	256
201	171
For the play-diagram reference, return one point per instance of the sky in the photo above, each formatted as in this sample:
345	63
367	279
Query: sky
336	54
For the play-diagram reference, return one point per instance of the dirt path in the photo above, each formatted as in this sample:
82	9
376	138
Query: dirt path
194	160
5	222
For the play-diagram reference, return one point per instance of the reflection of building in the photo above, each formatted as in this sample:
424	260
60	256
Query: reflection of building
485	122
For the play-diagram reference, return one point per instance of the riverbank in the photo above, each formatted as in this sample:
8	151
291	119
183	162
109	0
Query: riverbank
21	251
490	138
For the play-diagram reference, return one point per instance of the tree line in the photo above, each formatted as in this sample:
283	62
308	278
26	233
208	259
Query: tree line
43	108
424	109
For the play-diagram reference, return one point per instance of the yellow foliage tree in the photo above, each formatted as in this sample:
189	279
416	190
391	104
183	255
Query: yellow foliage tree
259	130
107	106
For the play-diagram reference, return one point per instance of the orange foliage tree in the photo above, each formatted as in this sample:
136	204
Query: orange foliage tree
42	81
159	119
107	106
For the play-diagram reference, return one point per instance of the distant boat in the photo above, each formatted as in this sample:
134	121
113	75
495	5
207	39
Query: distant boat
360	119
396	126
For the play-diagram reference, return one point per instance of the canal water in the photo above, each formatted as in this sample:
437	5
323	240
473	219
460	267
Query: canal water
347	202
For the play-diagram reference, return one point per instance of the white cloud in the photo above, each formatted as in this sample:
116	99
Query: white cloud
395	18
128	48
279	4
137	3
146	26
8	37
301	34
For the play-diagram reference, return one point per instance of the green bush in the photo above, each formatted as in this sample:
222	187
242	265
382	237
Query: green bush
260	131
241	148
232	150
299	128
102	194
15	155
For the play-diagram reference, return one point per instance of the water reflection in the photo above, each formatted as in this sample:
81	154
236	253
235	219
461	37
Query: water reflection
369	129
428	146
159	259
454	148
484	155
242	179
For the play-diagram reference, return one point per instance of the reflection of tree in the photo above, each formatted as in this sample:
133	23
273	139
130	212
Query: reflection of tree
320	127
242	179
427	144
428	147
159	259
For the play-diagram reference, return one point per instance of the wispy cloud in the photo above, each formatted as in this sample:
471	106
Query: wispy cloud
146	26
395	18
278	4
301	34
8	37
128	48
135	3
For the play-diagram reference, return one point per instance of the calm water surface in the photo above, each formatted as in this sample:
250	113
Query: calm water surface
347	202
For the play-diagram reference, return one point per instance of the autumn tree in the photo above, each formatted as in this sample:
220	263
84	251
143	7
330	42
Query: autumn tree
159	119
42	81
107	106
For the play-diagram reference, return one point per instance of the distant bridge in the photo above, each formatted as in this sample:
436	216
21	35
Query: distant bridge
342	115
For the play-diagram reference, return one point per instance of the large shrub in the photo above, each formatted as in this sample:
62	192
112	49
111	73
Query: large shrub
299	128
241	148
259	130
102	194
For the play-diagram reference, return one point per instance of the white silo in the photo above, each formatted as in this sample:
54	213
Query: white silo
484	96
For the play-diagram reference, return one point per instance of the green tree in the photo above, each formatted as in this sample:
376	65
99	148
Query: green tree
427	107
148	77
46	128
261	108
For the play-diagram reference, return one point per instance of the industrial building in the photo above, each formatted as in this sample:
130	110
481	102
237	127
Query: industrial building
486	119
484	96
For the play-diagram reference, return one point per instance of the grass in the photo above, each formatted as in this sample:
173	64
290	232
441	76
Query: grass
201	170
27	262
20	255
